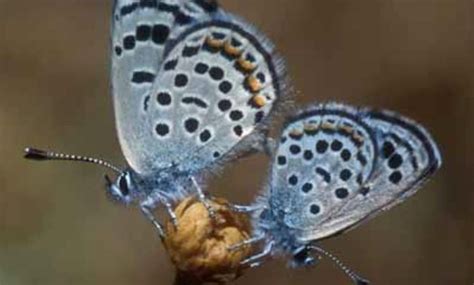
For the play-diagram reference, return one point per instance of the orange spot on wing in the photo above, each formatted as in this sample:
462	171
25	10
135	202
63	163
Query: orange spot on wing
231	50
347	129
246	65
328	126
259	101
358	137
296	132
214	43
254	84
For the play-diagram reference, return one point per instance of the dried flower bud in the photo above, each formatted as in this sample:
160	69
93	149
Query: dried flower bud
198	246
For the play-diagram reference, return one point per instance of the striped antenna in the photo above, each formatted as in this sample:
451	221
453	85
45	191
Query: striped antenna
41	155
355	278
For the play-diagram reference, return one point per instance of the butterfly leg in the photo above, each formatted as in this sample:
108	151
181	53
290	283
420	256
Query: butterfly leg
171	213
202	198
257	259
246	242
147	209
245	209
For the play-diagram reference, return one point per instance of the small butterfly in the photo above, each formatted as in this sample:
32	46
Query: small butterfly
193	87
334	168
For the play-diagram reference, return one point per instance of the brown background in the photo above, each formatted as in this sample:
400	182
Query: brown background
56	226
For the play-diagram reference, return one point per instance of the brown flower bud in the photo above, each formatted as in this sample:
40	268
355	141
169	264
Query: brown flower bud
198	246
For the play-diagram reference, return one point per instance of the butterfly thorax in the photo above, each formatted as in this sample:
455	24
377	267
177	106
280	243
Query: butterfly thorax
168	183
271	224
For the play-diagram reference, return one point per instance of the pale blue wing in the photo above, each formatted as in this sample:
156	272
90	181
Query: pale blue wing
219	82
141	29
363	162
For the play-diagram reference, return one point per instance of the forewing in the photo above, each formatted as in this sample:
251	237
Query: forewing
219	81
402	155
141	29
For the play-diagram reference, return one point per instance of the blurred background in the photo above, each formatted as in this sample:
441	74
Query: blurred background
57	227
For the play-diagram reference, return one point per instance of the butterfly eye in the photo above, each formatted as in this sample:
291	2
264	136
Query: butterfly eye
302	256
123	186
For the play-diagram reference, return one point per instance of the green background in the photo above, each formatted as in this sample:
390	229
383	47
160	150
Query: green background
57	227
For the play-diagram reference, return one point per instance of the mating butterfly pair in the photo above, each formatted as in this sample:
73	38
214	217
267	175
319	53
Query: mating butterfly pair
194	87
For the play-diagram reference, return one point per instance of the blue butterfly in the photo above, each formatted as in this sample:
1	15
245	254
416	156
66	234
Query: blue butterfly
334	168
193	87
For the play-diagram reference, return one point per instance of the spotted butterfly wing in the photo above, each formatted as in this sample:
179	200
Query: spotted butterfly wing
217	84
337	166
141	29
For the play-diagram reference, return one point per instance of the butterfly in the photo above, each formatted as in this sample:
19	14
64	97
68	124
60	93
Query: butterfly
335	167
193	88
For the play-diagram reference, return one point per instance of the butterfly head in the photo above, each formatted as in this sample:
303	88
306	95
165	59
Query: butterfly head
302	257
121	189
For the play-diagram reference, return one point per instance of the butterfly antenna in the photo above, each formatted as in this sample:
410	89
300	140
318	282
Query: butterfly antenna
355	278
41	155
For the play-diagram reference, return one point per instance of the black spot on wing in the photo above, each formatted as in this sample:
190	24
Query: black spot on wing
395	177
171	64
314	209
129	42
395	161
194	101
180	80
364	191
208	6
236	115
238	130
324	174
259	116
143	33
293	180
160	34
163	7
205	136
191	125
345	174
336	145
163	98
146	103
225	87
179	16
387	149
140	77
201	68
190	51
307	187
281	160
361	158
295	149
128	9
118	50
216	73
142	4
308	154
341	193
346	155
321	146
224	105
162	129
148	3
